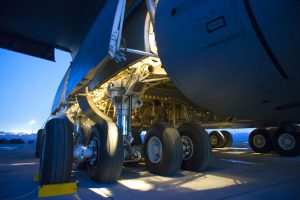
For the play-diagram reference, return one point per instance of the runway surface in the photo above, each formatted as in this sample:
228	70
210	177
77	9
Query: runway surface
232	173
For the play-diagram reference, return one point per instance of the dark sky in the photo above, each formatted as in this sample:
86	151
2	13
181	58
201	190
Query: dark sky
27	89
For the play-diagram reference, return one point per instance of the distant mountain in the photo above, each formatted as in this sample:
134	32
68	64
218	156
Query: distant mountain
24	136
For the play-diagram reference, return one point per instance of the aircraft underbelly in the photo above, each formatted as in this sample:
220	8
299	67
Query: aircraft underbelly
235	57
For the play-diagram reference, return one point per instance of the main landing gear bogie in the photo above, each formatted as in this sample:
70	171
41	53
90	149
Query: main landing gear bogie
284	140
167	149
220	139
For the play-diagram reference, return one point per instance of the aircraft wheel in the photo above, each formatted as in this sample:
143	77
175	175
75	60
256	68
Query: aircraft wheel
260	141
80	139
105	166
217	139
56	159
287	143
196	147
163	149
228	138
39	143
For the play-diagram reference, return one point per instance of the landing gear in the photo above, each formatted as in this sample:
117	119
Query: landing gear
163	149
287	142
57	155
39	143
228	138
196	147
217	139
106	162
260	141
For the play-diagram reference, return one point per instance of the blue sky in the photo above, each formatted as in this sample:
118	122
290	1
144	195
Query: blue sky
27	89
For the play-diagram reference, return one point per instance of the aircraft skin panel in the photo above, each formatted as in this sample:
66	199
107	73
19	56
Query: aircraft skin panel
284	43
226	68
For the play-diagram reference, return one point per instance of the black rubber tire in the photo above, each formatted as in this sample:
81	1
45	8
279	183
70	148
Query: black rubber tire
80	138
228	138
109	160
268	140
201	147
220	139
292	152
171	149
39	143
57	156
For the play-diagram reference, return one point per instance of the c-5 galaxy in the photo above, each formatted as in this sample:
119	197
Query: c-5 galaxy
167	68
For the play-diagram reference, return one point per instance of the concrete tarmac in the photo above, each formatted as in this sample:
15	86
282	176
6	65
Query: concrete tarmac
232	173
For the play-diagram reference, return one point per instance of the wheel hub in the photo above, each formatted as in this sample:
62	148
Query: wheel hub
188	147
259	141
94	146
286	141
154	149
213	139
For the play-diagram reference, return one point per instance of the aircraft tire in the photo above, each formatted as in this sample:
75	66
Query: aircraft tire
163	149
217	139
39	143
106	165
196	147
287	143
57	156
260	141
228	138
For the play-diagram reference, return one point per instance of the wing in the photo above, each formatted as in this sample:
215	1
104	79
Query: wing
37	27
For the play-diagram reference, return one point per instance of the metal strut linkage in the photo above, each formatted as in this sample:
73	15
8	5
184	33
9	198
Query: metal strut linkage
151	6
115	50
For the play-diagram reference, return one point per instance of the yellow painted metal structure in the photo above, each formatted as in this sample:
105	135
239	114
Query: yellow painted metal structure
57	189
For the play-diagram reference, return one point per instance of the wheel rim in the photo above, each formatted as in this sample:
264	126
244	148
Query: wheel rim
94	145
214	140
154	149
188	147
259	141
286	141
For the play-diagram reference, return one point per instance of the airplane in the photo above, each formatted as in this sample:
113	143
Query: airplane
169	69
